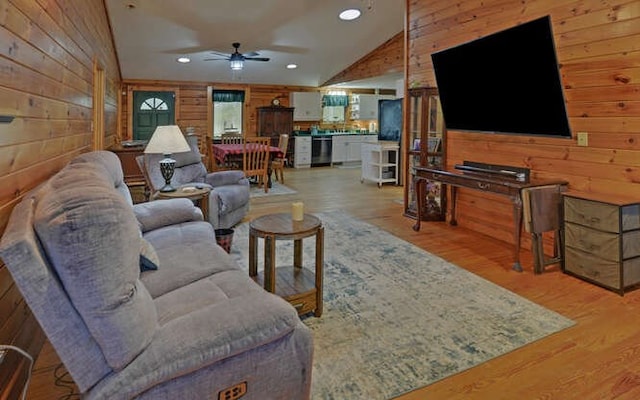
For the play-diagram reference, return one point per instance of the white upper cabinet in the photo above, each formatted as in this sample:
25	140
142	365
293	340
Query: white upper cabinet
307	106
365	106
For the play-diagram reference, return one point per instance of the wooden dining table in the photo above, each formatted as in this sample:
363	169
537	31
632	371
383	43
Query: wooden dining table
225	153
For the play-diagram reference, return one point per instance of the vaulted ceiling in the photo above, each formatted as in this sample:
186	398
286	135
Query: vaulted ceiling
151	34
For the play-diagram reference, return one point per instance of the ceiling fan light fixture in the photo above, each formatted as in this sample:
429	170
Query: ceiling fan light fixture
350	14
183	60
236	65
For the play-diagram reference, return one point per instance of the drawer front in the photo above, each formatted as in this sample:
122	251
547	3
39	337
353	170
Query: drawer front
303	160
631	272
602	244
586	265
302	140
465	182
597	215
631	217
302	155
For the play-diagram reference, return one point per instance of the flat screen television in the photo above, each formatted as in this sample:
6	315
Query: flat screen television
389	120
506	82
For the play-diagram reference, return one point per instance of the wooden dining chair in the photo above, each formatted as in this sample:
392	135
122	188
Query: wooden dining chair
231	138
255	159
231	162
277	164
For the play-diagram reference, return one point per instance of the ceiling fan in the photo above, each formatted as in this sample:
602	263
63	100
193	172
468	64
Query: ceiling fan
237	59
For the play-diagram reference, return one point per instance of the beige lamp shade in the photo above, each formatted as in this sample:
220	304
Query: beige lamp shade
167	139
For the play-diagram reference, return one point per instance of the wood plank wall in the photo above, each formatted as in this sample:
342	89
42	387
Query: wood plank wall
46	83
386	59
598	48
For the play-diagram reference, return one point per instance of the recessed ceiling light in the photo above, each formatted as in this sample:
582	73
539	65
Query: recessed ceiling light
292	66
183	60
350	14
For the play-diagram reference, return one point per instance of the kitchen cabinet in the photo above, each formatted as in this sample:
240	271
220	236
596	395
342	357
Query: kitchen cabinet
272	121
602	240
347	148
365	106
380	162
425	147
307	106
302	152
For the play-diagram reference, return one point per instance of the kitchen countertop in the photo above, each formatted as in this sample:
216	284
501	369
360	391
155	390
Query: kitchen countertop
334	133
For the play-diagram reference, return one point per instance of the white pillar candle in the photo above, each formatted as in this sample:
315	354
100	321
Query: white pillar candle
297	211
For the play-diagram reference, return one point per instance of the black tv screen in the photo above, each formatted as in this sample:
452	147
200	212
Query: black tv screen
507	82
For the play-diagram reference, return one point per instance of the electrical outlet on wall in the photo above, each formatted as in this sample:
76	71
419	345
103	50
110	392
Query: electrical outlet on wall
583	139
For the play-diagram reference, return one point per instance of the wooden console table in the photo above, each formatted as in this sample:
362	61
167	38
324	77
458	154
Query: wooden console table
486	183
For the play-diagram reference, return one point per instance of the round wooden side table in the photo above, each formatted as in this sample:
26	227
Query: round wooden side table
298	285
192	193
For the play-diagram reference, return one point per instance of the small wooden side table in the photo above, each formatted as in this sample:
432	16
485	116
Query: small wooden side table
199	195
298	285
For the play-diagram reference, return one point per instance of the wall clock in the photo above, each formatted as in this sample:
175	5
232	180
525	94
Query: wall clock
275	102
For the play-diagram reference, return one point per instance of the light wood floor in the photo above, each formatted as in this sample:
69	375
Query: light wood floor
598	358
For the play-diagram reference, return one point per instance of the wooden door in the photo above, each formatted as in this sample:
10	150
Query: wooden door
151	109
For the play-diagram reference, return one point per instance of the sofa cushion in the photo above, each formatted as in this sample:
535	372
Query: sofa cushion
113	168
91	237
187	252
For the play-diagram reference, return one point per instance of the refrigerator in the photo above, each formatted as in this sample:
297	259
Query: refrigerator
390	120
390	125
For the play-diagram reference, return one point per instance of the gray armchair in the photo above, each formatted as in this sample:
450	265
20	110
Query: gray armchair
229	197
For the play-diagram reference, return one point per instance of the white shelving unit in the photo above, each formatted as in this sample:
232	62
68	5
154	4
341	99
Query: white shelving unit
380	162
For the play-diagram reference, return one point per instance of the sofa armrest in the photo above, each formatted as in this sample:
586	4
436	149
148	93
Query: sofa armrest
156	214
222	178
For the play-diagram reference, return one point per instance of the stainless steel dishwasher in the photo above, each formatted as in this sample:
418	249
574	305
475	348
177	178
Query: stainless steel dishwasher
320	150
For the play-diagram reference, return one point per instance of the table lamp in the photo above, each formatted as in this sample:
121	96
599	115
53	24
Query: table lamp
167	139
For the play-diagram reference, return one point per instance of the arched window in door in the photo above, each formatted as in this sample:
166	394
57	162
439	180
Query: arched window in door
150	109
154	103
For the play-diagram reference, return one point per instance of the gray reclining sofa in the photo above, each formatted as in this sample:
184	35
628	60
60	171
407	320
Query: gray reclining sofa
196	328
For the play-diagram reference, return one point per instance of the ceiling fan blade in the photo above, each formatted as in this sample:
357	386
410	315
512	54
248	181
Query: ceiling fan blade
219	53
257	58
216	59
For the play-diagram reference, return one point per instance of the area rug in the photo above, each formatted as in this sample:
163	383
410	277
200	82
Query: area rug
397	318
276	189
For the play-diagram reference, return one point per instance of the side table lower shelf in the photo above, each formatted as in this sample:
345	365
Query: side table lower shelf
295	285
300	286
